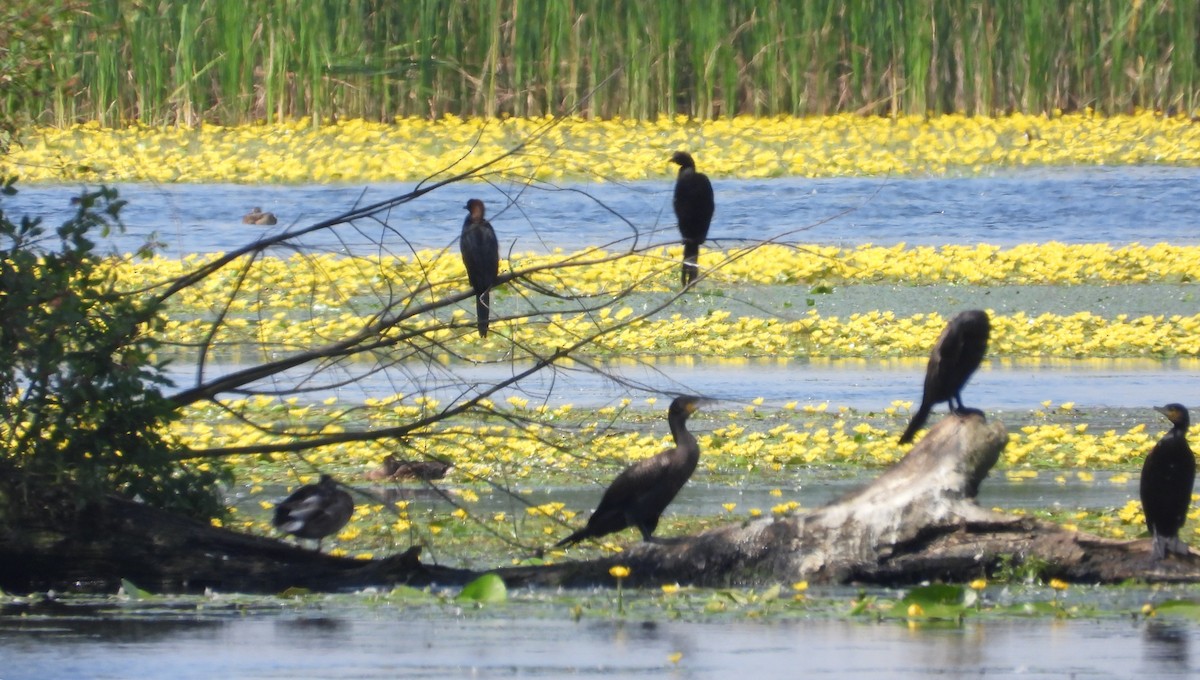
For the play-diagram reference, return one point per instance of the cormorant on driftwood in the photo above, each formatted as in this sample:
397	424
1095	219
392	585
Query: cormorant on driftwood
955	356
315	510
257	216
481	257
694	208
638	496
1166	487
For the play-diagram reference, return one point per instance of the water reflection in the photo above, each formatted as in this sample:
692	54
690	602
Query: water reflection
371	641
1167	646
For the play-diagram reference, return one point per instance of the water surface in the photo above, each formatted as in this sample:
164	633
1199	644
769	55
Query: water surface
386	642
1071	205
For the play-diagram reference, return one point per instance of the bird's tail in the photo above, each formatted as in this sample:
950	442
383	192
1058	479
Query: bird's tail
691	253
918	420
483	308
574	538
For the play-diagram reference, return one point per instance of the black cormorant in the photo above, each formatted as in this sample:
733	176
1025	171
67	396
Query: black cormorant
315	510
481	256
638	496
694	209
1166	486
955	356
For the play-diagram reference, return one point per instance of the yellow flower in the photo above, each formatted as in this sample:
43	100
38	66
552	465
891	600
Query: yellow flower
619	572
1058	584
669	588
800	586
915	610
674	657
978	584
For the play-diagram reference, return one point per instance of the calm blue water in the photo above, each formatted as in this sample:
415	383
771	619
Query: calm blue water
858	384
1072	205
387	642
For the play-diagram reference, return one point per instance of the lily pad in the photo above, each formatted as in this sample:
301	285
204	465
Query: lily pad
487	588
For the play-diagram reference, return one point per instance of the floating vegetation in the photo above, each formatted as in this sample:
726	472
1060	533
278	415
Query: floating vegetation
747	148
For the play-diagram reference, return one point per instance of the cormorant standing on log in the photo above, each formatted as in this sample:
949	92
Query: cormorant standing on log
955	356
694	209
315	510
638	496
481	257
1166	486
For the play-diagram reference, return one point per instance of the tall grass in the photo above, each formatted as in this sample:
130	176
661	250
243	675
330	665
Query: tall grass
232	61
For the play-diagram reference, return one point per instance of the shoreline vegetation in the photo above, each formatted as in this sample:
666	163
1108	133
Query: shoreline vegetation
164	62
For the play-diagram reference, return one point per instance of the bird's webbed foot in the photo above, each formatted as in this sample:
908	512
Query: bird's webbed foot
1176	546
1158	548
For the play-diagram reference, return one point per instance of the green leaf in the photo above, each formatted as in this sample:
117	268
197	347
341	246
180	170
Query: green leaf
736	596
935	594
409	594
133	592
1184	608
771	593
486	588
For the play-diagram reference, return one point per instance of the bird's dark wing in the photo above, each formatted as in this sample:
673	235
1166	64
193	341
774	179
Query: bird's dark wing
1168	476
634	481
694	206
295	510
481	256
955	356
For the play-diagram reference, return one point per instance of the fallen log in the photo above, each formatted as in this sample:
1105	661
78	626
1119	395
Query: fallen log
917	521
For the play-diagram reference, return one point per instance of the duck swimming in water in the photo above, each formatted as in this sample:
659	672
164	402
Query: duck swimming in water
257	216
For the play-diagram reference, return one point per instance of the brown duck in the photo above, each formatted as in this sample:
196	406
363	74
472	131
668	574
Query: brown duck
257	216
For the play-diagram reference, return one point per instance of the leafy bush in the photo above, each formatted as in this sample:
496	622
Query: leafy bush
81	406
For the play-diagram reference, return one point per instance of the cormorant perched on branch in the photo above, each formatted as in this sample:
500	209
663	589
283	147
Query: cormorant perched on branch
638	496
1166	486
694	209
315	510
481	257
955	356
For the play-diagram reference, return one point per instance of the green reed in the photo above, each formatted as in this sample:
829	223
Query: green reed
231	61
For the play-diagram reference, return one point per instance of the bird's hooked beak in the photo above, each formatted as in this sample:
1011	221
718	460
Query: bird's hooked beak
1171	413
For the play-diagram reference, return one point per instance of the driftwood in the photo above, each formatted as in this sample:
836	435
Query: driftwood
917	521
